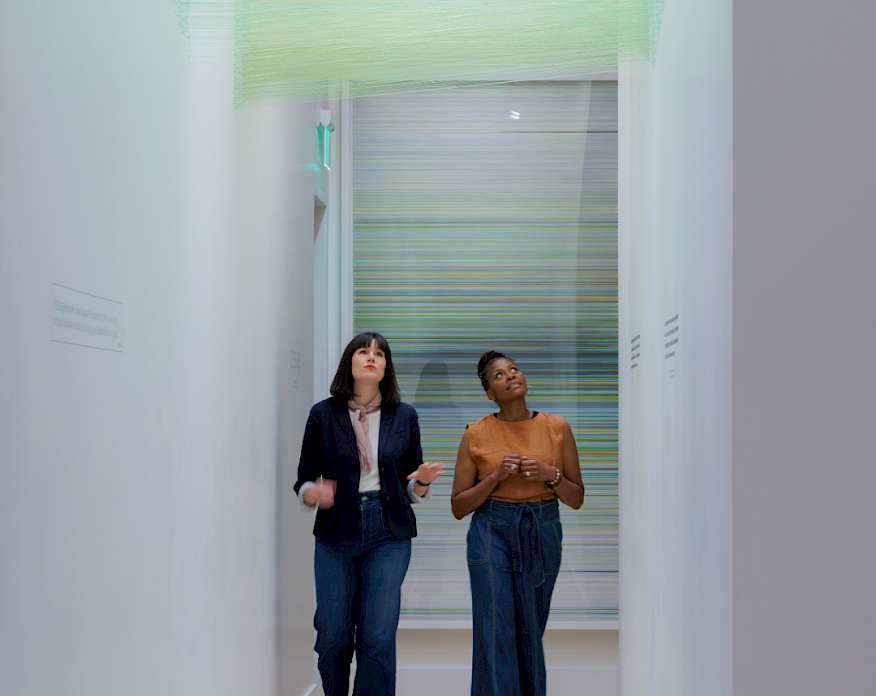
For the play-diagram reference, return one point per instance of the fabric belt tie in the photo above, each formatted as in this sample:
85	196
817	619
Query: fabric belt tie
526	546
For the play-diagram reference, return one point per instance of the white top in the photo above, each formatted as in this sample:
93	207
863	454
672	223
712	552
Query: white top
370	481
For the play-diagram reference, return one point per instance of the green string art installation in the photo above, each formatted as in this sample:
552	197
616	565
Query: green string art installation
295	47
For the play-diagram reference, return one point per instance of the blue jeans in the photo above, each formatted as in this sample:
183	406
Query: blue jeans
514	552
358	599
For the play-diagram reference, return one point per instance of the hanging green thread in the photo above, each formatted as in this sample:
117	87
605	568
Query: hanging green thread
377	46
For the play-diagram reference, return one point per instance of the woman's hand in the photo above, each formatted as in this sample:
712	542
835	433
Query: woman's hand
321	494
509	466
534	470
426	472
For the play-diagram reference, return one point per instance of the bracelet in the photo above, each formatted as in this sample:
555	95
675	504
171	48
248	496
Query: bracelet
420	483
556	480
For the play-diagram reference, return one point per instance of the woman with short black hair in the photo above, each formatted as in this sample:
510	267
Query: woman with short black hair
362	466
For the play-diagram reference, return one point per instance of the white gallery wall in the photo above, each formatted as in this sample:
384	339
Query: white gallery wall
804	558
155	255
276	148
675	203
746	446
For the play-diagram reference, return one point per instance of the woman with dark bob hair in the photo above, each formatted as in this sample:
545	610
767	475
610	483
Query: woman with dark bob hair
361	466
512	468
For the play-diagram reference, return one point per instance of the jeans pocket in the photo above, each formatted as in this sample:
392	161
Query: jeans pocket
475	548
552	546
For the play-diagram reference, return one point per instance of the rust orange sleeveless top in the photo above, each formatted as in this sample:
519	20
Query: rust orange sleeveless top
490	439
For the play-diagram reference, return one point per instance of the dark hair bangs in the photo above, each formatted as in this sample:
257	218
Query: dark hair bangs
343	383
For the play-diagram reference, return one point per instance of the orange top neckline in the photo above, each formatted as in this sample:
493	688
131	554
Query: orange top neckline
490	439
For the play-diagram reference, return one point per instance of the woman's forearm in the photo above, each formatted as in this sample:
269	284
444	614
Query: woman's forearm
570	493
471	499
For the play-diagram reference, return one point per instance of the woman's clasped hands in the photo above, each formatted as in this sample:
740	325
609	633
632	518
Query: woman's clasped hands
515	464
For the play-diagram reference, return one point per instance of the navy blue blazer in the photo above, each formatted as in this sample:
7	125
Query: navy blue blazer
329	450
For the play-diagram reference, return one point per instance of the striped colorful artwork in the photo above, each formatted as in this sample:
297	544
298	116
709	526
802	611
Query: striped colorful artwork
485	217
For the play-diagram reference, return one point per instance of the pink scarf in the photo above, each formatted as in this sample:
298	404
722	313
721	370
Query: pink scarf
360	427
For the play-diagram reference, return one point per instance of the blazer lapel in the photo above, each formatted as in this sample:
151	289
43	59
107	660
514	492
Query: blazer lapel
345	427
387	417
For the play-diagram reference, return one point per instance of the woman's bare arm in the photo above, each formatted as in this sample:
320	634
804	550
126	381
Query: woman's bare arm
468	493
570	489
